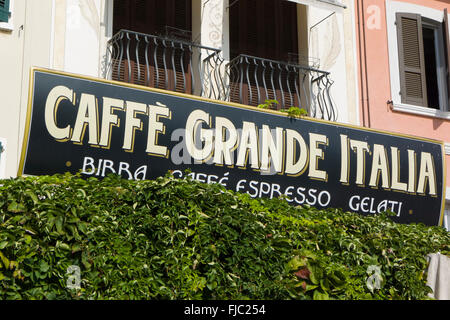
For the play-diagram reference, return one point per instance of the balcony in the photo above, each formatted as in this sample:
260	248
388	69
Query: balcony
173	62
169	62
254	79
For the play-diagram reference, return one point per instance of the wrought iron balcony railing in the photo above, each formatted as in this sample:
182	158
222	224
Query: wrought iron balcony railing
170	63
166	62
254	79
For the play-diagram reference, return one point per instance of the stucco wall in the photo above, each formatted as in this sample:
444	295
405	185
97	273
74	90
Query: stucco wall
71	35
28	44
382	73
331	41
67	35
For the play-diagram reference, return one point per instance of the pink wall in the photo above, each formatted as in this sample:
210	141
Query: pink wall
375	82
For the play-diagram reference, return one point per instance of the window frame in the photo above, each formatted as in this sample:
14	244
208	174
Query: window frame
427	14
441	65
9	25
5	10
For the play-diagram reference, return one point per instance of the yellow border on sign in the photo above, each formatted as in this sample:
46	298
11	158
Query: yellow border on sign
232	104
444	181
27	122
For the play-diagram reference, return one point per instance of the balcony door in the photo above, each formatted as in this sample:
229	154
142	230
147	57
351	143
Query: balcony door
152	16
144	55
266	29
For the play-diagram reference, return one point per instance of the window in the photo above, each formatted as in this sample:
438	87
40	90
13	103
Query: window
152	16
4	10
263	29
154	61
423	61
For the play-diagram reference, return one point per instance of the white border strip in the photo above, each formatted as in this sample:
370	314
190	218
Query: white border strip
422	111
3	158
52	36
447	148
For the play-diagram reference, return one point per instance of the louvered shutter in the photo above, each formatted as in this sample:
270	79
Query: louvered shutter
265	29
182	16
177	20
152	17
141	20
4	10
411	59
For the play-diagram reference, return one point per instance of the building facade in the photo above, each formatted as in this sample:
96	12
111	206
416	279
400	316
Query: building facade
403	62
295	52
337	59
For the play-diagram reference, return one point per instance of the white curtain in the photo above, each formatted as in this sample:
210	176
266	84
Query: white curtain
438	277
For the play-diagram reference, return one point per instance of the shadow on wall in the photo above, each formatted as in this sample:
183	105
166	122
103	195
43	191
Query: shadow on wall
325	42
437	123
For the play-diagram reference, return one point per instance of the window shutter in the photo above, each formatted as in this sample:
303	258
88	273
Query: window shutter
152	17
263	28
411	59
4	10
182	15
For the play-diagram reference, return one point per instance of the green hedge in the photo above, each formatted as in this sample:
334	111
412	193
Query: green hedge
180	239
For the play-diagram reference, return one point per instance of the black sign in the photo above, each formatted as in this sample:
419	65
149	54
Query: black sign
96	126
